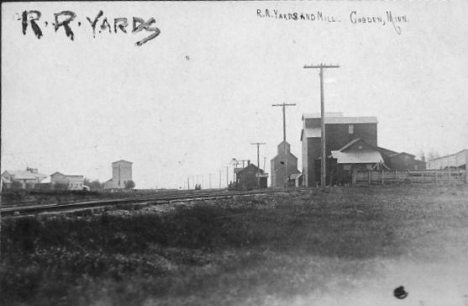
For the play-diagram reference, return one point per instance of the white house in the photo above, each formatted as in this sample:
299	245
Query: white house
27	179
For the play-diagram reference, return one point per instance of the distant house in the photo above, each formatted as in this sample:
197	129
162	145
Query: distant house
278	164
26	179
457	161
404	161
251	177
121	174
73	182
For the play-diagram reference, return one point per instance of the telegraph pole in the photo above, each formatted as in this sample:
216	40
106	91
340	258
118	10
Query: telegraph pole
219	179
188	183
210	180
286	176
323	181
258	160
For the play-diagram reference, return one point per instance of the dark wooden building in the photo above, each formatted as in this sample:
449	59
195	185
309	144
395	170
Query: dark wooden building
251	177
404	161
339	131
351	144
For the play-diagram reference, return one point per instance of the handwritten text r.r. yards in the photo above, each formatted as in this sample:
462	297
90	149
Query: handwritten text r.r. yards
65	18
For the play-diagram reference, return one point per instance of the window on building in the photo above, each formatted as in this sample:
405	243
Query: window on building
369	167
351	129
347	167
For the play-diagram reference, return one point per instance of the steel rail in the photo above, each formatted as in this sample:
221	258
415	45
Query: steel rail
161	199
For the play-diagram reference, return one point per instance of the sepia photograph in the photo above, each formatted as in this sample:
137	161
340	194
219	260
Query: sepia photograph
234	153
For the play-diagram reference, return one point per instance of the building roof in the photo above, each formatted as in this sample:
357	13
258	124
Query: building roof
442	157
122	162
280	146
337	118
350	120
358	144
357	157
25	175
251	166
402	153
65	175
5	180
295	176
281	156
319	115
386	152
311	133
364	154
349	144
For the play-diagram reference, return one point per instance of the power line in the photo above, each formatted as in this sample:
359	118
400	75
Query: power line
322	112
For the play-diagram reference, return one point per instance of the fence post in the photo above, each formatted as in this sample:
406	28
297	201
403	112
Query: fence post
422	177
449	175
435	177
369	177
383	180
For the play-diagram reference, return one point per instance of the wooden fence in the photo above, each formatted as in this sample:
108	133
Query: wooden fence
445	176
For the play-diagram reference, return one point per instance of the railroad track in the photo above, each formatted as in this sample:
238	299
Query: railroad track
154	199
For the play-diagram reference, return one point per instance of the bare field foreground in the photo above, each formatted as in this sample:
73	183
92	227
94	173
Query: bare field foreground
346	246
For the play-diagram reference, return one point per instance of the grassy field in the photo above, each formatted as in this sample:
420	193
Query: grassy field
347	246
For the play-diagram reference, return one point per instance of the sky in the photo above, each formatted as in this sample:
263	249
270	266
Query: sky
185	103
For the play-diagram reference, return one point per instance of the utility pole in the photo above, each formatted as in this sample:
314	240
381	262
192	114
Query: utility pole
258	160
227	176
219	179
322	112
210	179
188	183
234	164
286	175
